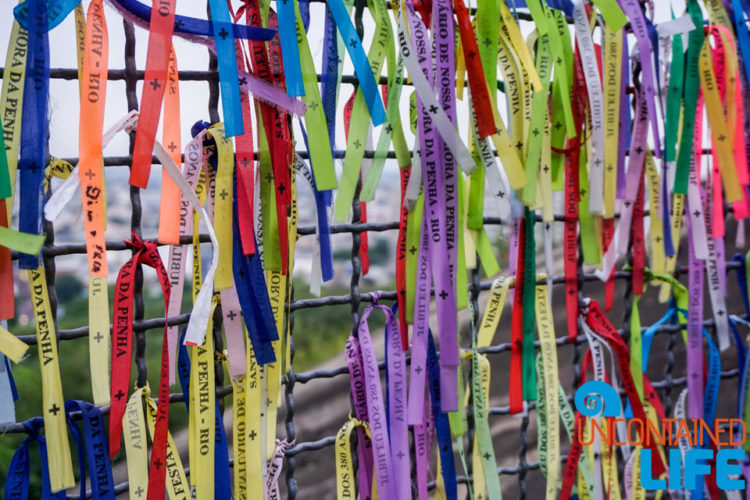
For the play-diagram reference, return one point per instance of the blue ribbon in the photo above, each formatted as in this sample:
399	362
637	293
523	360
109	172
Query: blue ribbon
57	11
362	68
743	389
250	282
11	380
226	58
222	483
709	399
442	425
739	259
742	36
17	482
304	11
33	157
647	338
222	480
183	369
329	87
741	357
322	201
193	26
80	449
665	217
653	37
289	48
97	451
564	5
330	75
741	347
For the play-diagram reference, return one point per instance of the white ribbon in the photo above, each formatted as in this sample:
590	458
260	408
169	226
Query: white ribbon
65	192
443	124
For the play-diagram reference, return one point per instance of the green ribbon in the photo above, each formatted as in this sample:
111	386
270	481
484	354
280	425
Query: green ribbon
560	97
5	187
27	243
484	437
529	306
360	123
612	13
589	245
488	13
413	232
271	258
475	215
674	95
538	119
692	85
392	131
636	349
321	157
462	297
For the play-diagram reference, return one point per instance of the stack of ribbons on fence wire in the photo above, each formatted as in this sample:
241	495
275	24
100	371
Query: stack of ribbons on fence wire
629	127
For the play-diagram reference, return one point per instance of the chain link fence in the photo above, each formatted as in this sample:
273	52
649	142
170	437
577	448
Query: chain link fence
518	466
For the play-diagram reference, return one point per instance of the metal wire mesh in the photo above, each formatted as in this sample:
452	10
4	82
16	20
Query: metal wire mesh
525	464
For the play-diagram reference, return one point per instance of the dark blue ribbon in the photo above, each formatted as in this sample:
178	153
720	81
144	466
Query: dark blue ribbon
330	75
11	380
322	201
564	5
442	424
362	68
17	482
739	259
250	282
222	483
304	10
34	126
329	88
80	449
193	26
97	451
740	24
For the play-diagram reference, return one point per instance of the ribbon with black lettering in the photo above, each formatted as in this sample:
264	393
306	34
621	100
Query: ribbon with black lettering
34	128
17	480
58	449
97	455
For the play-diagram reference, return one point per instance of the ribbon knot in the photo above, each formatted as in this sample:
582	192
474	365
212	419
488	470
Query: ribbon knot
375	296
131	121
33	425
135	241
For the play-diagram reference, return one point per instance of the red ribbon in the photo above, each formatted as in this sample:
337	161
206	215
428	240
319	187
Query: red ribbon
639	246
7	305
598	322
274	121
572	199
157	64
401	260
477	82
148	254
515	389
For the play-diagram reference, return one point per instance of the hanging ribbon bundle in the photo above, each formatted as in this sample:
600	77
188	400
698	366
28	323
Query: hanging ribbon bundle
623	127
